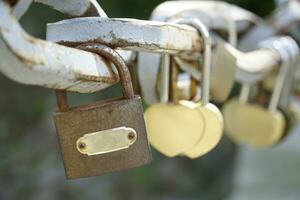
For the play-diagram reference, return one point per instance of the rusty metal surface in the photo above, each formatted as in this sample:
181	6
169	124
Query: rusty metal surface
82	120
54	66
117	60
130	34
211	13
33	61
123	112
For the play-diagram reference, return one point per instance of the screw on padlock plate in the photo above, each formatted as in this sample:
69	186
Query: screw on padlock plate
106	141
103	136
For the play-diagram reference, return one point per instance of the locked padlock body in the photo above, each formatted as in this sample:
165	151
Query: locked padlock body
105	136
103	115
252	124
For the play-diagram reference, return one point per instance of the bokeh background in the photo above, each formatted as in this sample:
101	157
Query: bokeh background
31	165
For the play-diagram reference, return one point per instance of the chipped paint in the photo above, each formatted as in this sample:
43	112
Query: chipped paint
127	34
28	60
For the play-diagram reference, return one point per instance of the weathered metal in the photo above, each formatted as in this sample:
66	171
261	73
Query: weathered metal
129	34
77	122
33	61
20	8
73	8
211	13
282	20
62	66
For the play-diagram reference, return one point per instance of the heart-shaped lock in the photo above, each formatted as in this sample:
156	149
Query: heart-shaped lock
212	14
252	124
213	120
286	106
213	129
223	59
172	128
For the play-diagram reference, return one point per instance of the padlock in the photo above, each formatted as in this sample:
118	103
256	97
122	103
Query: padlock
235	21
213	119
286	106
213	125
104	136
288	88
172	127
223	60
252	124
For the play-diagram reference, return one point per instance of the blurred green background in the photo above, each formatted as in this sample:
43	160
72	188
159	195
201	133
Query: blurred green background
31	166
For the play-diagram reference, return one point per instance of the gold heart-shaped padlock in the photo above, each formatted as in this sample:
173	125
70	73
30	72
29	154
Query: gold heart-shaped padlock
213	120
172	128
213	129
252	124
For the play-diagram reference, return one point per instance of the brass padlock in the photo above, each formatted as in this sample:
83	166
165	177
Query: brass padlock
253	124
172	127
104	136
212	117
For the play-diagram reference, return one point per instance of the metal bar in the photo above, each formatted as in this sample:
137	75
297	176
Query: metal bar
280	21
69	7
21	7
156	37
33	61
285	16
127	34
211	13
73	8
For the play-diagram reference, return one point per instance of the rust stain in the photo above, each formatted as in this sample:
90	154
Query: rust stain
112	78
102	79
12	2
28	62
117	42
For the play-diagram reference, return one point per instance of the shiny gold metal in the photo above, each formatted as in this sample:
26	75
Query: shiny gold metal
213	120
223	71
212	132
172	128
252	124
106	141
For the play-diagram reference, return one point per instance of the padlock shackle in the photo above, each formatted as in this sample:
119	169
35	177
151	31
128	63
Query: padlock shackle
293	49
203	31
278	45
62	100
112	56
164	85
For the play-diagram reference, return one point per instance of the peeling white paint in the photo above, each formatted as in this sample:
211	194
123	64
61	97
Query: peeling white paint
36	62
